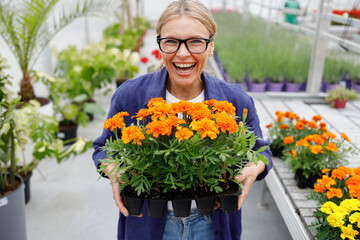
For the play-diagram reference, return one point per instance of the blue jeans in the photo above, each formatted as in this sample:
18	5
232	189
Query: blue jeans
193	227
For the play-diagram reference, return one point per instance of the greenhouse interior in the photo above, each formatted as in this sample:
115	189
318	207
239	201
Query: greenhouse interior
65	65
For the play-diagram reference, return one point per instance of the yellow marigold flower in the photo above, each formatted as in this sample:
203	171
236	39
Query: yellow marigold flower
350	205
325	170
335	220
339	174
288	140
316	118
183	133
311	125
284	126
303	143
269	126
226	122
206	127
332	147
328	207
142	114
343	135
355	218
348	232
316	149
334	192
133	134
299	125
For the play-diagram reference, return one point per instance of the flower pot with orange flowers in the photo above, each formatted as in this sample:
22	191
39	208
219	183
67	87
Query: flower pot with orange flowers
315	152
163	156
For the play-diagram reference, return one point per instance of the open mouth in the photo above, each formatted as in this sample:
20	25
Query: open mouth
184	68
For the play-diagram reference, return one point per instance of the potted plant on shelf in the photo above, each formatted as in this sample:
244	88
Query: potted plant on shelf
333	72
28	28
316	152
187	160
338	97
12	201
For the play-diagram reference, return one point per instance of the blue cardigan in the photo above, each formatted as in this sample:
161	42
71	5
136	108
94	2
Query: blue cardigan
132	96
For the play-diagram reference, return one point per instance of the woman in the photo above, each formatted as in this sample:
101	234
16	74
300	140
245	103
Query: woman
186	32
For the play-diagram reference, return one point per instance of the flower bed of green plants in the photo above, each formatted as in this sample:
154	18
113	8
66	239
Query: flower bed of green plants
244	47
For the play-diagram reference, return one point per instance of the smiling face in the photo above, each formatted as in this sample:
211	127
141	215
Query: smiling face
184	67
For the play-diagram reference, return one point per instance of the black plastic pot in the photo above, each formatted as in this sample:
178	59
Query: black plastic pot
205	206
181	207
229	202
157	207
67	132
276	151
134	205
303	182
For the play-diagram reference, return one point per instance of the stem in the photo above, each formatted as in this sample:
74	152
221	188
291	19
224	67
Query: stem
12	161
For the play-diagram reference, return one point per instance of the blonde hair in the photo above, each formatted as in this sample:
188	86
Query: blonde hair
192	8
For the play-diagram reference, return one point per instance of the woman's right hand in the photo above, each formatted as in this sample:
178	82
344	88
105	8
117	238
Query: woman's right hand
115	185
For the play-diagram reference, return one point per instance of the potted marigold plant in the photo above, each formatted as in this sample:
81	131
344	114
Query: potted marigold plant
338	193
288	127
164	157
316	152
338	97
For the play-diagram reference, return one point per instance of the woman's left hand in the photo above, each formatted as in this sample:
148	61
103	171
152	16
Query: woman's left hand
248	176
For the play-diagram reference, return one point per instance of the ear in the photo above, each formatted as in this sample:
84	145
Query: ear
211	47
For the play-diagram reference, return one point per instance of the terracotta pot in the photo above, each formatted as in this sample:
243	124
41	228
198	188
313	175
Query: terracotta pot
340	103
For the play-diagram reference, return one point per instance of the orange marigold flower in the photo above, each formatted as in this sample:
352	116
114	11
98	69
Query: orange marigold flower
183	133
303	143
269	126
327	181
334	192
206	127
224	106
299	125
316	149
354	191
280	116
200	111
182	106
316	118
311	125
245	112
158	127
330	135
160	110
284	126
155	101
319	188
339	174
343	135
288	140
277	113
346	170
356	170
294	153
322	127
226	122
210	102
332	147
117	121
133	134
142	114
292	116
325	170
353	181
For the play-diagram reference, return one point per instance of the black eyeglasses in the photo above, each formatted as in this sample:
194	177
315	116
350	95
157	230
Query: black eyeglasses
193	45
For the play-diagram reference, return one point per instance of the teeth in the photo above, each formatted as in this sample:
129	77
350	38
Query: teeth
184	65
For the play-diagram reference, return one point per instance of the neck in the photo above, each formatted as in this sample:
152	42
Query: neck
187	92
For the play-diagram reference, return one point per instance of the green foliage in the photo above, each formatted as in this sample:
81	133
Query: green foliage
342	94
244	48
28	27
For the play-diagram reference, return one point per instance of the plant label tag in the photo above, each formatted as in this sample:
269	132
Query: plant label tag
3	202
61	135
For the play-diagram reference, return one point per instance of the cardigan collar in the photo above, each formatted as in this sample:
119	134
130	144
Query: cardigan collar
157	87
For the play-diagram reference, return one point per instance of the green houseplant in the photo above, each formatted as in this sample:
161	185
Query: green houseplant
337	97
187	158
27	28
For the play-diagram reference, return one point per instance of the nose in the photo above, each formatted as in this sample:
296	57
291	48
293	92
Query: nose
183	51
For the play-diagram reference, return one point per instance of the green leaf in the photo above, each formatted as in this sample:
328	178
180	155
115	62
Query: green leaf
252	141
